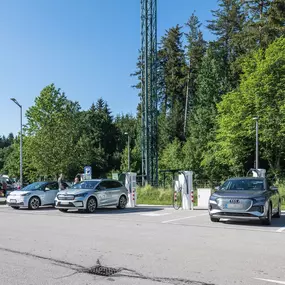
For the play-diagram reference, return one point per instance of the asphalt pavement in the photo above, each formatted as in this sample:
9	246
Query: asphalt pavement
145	245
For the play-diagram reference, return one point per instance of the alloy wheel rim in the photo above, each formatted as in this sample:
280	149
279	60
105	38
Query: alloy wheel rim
35	203
123	201
91	205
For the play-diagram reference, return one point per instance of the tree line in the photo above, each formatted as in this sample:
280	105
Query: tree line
208	94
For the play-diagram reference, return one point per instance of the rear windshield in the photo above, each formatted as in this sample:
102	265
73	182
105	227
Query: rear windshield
243	184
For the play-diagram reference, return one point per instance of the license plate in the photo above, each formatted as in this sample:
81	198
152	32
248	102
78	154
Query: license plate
233	206
64	202
13	201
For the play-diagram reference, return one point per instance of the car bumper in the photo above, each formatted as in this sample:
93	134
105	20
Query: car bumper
257	211
237	215
68	204
17	202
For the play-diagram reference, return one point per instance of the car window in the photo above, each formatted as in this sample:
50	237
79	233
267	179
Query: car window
52	186
34	186
116	184
243	184
105	185
86	184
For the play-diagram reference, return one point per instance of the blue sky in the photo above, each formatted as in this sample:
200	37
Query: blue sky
88	48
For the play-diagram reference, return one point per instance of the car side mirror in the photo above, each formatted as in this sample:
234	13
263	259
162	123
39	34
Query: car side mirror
273	188
46	189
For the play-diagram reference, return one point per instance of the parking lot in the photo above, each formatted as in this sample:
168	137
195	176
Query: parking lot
145	245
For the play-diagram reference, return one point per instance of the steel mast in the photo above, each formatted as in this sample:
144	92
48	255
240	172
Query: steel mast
149	91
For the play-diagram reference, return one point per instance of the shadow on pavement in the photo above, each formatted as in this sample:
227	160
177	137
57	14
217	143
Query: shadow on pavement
115	211
276	222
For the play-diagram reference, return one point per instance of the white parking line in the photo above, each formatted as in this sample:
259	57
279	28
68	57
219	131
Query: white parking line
270	280
152	214
281	230
184	218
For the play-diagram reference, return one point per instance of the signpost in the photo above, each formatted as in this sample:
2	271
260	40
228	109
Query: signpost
87	172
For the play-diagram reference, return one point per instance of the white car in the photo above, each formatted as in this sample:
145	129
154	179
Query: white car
34	195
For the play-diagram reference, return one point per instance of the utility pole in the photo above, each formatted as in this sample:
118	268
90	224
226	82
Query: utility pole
129	152
21	141
256	143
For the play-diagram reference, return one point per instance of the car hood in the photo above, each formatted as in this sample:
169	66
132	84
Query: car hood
239	194
75	191
18	193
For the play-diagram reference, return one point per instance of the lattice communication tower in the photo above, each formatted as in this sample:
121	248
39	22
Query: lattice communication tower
149	91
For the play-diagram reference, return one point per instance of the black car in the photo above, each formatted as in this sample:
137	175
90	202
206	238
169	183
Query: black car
245	198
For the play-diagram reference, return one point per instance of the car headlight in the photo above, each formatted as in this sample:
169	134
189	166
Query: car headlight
213	198
260	199
26	194
80	195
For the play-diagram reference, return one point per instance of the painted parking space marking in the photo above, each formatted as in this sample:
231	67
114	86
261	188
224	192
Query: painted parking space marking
282	229
154	214
184	218
271	281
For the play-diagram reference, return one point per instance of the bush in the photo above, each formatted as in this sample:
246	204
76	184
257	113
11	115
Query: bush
154	196
281	188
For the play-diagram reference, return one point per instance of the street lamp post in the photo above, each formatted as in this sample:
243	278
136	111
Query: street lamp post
256	143
129	154
21	142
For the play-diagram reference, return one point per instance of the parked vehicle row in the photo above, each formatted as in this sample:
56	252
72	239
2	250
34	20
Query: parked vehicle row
87	195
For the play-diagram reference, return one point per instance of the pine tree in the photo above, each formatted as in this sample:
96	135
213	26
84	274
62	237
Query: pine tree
174	77
196	47
202	119
227	26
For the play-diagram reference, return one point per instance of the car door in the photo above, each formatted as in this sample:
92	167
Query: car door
101	193
273	196
51	190
115	192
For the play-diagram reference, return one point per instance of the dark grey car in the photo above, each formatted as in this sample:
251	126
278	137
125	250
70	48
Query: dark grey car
245	198
91	194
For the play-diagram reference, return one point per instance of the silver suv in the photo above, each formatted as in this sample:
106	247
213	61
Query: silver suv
91	194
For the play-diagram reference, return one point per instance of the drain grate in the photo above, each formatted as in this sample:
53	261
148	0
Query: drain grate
102	270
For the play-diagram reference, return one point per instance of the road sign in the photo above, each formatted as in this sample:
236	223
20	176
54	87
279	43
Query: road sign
88	172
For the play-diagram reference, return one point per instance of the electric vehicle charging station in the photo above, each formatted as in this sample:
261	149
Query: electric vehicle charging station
183	187
131	185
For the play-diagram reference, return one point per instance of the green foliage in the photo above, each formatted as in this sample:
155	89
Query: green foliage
154	196
261	93
172	156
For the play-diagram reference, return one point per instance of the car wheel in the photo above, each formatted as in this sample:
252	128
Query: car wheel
278	214
267	220
214	220
34	203
122	202
15	207
63	210
91	205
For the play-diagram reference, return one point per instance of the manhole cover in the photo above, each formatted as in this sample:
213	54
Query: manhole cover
102	270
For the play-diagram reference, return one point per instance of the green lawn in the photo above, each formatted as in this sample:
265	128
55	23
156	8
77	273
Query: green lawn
154	196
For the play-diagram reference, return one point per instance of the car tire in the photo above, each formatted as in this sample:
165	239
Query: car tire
15	207
278	214
63	210
34	203
214	220
122	202
91	205
267	220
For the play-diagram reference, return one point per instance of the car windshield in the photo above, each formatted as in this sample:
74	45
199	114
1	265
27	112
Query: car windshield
243	184
34	186
86	185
